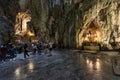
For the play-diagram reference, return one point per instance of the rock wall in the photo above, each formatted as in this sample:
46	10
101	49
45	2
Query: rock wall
9	9
76	15
8	12
106	14
39	13
66	21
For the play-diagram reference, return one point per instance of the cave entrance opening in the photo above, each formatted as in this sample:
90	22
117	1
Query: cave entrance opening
92	36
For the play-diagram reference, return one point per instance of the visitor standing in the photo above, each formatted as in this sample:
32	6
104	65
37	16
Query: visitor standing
4	51
34	48
50	48
46	47
26	50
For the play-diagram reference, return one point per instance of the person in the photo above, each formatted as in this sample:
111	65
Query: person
34	48
26	50
50	48
46	47
4	51
11	50
39	48
0	55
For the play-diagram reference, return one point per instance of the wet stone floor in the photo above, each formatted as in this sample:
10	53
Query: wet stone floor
62	65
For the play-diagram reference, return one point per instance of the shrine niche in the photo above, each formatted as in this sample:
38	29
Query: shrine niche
21	27
23	31
92	36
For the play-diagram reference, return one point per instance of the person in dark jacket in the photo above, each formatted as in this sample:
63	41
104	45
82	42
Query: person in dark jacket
0	55
4	51
26	50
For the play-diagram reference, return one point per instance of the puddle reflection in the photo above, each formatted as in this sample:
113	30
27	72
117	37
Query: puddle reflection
89	63
18	73
98	64
93	64
31	66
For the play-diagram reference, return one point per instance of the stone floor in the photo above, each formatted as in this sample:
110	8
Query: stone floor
62	65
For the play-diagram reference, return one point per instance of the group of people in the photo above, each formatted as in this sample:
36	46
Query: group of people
9	49
6	49
36	48
48	48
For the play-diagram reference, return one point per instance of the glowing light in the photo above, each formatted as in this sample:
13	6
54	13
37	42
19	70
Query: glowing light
30	33
18	73
34	41
31	66
98	35
87	61
89	64
24	26
21	27
86	39
98	65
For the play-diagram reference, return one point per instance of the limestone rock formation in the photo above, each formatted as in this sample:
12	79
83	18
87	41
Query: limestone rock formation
8	11
106	14
70	23
6	31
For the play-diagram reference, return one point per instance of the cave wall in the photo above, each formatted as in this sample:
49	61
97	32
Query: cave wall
39	10
9	9
106	14
64	21
8	12
74	15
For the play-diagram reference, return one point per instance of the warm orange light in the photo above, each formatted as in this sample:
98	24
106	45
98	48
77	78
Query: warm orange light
22	19
31	66
34	41
86	39
30	33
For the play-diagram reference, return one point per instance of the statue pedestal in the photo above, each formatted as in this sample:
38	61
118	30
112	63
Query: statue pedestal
92	48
